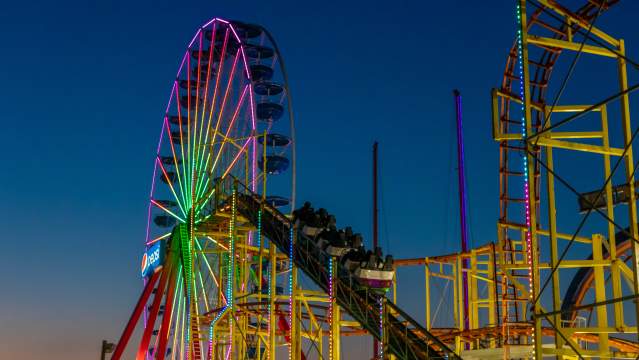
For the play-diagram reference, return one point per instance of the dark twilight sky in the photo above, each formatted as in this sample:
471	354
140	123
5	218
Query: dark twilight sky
83	89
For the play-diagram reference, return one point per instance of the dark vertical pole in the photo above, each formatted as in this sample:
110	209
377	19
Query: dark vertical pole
375	210
462	200
104	346
375	227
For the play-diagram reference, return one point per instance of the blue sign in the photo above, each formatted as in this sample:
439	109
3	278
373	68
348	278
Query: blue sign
153	259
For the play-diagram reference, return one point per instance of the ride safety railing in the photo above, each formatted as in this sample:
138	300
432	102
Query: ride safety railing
403	336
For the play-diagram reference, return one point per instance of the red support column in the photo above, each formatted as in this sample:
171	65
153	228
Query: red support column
166	321
133	320
155	309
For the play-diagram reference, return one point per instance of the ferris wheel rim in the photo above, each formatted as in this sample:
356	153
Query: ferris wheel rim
233	28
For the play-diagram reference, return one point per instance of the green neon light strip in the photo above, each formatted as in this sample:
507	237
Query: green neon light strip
185	245
157	204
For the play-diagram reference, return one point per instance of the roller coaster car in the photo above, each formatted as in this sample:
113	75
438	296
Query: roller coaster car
311	222
352	259
375	273
339	243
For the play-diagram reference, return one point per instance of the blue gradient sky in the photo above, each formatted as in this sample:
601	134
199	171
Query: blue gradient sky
84	87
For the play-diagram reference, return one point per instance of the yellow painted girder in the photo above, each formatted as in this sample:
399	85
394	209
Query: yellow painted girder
565	264
596	330
571	108
560	144
564	236
569	45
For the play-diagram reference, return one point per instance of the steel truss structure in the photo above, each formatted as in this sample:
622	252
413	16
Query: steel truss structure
561	279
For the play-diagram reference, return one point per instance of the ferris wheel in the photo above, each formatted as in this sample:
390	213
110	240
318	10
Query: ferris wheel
228	116
229	113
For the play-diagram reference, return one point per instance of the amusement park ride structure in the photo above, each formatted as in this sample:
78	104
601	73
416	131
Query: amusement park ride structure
226	259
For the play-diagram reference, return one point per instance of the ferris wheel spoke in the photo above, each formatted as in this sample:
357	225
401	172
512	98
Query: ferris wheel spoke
194	152
153	241
188	129
184	155
230	127
203	201
176	163
154	202
203	184
223	105
211	50
216	89
169	182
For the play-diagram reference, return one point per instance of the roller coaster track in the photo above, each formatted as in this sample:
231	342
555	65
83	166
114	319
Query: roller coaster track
405	337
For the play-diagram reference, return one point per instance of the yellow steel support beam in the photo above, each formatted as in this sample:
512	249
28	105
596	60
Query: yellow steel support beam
600	293
272	291
630	165
560	144
568	45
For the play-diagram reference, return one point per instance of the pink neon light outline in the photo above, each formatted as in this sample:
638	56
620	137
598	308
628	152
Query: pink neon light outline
155	168
196	34
252	108
235	33
182	64
209	23
246	67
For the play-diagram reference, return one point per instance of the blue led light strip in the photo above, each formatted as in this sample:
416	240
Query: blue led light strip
524	134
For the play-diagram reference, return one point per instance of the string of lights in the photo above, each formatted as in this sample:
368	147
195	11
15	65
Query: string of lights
290	289
331	297
524	133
